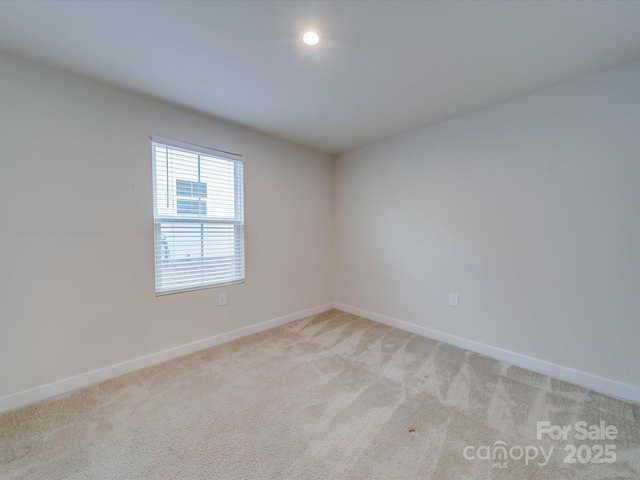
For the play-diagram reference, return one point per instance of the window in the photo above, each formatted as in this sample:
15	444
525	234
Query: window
185	188
192	207
198	212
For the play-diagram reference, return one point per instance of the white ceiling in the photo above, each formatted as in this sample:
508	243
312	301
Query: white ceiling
382	68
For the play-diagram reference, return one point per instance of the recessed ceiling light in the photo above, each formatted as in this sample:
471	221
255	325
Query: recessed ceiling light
311	37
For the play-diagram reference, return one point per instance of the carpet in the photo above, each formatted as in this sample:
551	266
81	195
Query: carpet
332	396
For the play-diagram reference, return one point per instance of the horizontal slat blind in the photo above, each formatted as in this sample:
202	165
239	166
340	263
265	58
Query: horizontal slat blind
198	216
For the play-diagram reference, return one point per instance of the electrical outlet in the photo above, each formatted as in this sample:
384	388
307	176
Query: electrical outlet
453	299
222	299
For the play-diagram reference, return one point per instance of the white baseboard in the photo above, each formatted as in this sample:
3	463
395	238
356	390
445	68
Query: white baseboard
613	388
31	395
593	382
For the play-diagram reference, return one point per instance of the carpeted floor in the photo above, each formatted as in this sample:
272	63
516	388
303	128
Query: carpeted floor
333	396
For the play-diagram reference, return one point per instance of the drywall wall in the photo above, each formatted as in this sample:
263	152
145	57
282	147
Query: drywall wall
529	210
76	229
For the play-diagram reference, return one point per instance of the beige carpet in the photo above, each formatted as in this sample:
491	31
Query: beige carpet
333	396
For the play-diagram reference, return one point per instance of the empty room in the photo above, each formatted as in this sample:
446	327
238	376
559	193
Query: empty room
319	240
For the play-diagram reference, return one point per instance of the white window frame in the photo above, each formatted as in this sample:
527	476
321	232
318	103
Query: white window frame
237	222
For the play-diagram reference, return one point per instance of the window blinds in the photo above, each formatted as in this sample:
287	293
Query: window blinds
198	216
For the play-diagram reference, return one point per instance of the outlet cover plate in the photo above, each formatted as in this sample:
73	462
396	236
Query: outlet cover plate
453	299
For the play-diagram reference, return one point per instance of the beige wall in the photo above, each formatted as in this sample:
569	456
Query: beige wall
529	210
76	228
